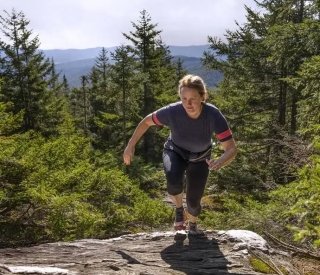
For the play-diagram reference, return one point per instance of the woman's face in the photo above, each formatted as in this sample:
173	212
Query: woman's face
191	101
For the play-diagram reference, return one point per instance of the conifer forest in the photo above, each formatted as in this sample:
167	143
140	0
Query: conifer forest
62	175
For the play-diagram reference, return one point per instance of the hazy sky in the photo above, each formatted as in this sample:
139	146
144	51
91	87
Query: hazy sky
64	24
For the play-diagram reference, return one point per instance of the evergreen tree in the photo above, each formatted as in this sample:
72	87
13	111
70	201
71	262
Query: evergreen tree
99	80
100	99
9	122
144	40
26	73
154	65
93	104
261	55
80	105
84	104
102	68
125	82
65	85
308	81
180	71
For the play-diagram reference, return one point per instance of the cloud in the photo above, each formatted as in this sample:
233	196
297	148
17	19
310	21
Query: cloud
94	23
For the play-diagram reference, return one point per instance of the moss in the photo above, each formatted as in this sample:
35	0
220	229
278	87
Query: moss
260	266
284	270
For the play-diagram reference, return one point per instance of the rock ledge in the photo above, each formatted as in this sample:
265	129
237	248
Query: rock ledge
221	252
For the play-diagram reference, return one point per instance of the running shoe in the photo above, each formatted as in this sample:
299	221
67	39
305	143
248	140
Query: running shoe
194	230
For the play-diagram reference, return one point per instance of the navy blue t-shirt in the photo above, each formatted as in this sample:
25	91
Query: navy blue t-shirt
194	135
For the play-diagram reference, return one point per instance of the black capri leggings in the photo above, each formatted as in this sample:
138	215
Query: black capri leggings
176	169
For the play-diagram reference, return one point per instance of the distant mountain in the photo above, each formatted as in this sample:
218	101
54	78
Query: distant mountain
73	70
194	66
190	51
70	55
73	63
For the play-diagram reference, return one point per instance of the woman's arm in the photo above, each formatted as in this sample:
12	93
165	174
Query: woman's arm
230	151
142	127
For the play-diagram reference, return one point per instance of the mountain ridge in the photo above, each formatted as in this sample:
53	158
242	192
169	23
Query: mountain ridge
74	63
67	55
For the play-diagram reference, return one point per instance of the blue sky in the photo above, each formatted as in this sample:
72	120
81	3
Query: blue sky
65	24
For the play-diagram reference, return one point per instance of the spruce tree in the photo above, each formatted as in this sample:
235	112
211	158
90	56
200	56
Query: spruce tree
27	74
101	101
154	65
9	122
100	85
84	103
257	60
125	82
102	67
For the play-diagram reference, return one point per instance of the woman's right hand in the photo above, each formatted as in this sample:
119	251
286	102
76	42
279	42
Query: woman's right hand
137	134
128	155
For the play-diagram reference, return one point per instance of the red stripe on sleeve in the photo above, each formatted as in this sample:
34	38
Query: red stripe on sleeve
224	134
156	120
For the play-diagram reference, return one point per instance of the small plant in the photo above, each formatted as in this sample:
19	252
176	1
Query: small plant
260	266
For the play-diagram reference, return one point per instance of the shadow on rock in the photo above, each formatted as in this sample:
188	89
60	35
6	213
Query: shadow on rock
195	255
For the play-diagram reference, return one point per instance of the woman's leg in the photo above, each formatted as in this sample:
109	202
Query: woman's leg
174	168
197	175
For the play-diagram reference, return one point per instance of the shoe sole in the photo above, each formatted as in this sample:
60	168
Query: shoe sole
179	227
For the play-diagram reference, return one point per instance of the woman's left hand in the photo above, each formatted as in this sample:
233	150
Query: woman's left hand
229	154
214	164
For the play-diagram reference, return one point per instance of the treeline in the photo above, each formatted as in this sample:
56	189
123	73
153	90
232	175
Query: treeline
61	172
271	94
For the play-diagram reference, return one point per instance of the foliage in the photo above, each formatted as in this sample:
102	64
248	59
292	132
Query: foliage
61	172
157	73
302	200
262	106
300	216
260	266
29	80
150	179
308	78
53	189
9	122
231	210
126	86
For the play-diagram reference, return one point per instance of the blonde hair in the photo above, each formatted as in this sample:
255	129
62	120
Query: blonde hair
194	82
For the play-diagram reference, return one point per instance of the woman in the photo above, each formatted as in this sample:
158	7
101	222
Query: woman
187	151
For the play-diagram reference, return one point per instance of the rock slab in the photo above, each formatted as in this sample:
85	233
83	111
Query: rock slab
144	254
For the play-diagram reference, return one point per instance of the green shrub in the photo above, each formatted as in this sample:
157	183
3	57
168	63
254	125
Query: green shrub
234	211
151	213
302	203
68	218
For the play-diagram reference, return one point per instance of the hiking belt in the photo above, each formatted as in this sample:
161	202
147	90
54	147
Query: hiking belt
187	155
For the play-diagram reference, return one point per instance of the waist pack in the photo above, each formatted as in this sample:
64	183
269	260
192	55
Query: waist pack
187	155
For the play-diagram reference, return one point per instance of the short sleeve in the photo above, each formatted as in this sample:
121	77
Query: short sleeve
221	128
161	116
